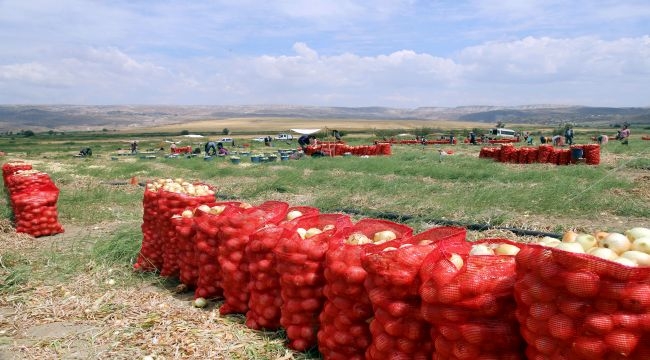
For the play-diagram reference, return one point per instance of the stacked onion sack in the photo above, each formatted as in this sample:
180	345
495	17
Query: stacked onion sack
300	258
234	235
188	258
344	330
467	297
12	167
163	199
591	154
393	282
264	301
586	297
544	153
33	196
206	244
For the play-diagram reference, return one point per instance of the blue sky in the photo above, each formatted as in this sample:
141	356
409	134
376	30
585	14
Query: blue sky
399	53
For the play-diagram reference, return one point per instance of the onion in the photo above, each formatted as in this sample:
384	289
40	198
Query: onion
506	249
293	214
637	232
642	244
549	241
569	236
358	239
312	232
587	241
301	232
187	214
639	257
571	247
329	227
626	262
199	302
600	235
617	242
457	260
390	248
381	237
603	253
217	209
204	208
481	249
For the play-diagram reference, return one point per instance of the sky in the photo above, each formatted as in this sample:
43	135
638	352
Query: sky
351	53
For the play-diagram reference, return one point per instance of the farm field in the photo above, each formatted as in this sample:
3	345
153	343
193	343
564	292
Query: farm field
75	295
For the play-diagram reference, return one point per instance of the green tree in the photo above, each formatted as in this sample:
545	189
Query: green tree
225	131
28	133
185	132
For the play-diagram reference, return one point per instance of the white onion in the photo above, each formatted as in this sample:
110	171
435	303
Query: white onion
204	208
301	232
642	244
187	214
457	260
617	242
506	249
199	302
626	261
603	253
293	214
481	249
217	209
312	232
358	239
381	237
329	227
571	247
569	236
587	241
639	257
637	232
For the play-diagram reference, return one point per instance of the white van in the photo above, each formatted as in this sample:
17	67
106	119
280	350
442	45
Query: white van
226	140
501	133
283	136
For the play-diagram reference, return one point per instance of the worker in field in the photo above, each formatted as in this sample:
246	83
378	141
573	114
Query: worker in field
85	152
210	148
134	147
306	140
221	151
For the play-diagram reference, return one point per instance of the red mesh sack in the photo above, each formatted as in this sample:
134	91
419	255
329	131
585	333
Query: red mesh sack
469	301
27	180
300	263
398	329
514	156
344	331
533	154
35	212
506	152
264	303
234	235
150	255
578	306
206	244
188	261
10	168
544	153
592	154
169	204
564	157
553	156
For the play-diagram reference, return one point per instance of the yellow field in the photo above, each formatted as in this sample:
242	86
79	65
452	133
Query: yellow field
264	125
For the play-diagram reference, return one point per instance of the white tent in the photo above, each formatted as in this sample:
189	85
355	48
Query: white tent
305	131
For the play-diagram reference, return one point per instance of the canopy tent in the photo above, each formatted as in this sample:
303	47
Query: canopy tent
305	131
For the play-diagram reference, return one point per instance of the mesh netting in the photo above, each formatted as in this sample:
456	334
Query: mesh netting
578	306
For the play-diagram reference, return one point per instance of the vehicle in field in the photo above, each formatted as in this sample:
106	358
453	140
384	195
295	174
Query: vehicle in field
284	136
501	133
226	140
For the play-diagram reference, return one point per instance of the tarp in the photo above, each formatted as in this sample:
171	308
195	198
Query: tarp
193	136
305	131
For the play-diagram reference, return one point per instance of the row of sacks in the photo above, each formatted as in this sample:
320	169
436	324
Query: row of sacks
33	197
338	149
374	290
543	154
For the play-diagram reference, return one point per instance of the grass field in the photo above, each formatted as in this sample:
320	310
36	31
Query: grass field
74	295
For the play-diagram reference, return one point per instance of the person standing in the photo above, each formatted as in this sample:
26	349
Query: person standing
568	135
624	135
134	147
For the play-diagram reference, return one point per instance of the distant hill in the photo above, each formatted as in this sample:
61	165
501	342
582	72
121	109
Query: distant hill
77	117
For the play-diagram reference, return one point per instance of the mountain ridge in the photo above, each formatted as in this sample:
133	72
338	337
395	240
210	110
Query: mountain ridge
96	117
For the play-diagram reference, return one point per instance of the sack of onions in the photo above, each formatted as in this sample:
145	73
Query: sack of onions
150	255
300	256
398	329
344	331
233	236
9	168
176	196
208	220
264	285
35	212
467	297
586	296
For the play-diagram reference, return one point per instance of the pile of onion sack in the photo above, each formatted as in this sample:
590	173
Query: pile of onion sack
33	197
374	289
